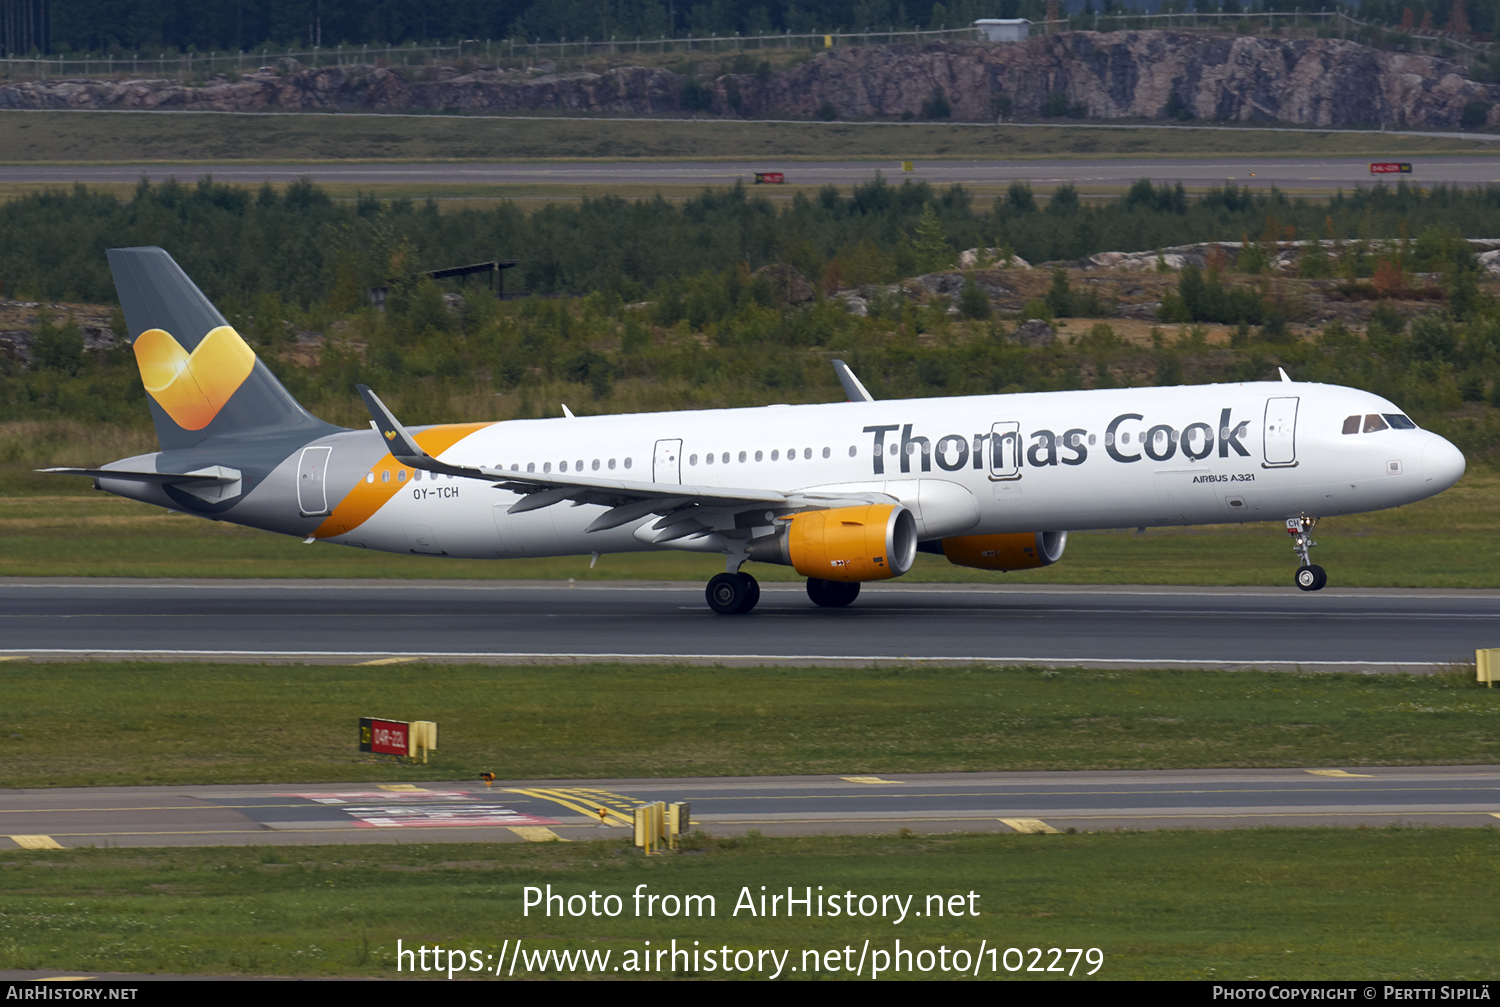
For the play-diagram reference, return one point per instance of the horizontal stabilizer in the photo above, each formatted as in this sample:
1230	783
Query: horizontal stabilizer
217	474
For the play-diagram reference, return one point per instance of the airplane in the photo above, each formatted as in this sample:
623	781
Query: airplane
844	493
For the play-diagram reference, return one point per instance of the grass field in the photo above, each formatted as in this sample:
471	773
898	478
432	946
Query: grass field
1263	904
83	723
1446	541
147	138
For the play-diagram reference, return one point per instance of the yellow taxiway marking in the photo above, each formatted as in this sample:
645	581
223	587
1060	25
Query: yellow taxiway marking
868	779
1495	814
1031	825
62	979
536	833
36	842
17	657
403	788
581	801
1338	772
386	660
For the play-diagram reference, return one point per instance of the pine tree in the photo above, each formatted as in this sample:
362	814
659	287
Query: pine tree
930	243
1458	20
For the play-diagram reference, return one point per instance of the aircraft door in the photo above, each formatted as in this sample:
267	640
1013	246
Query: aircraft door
312	474
1281	432
1005	450
666	465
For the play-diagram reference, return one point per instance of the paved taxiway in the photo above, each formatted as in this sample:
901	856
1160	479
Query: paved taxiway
1287	173
304	814
518	621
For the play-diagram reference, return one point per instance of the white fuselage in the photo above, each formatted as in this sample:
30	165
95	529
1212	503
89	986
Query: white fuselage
965	466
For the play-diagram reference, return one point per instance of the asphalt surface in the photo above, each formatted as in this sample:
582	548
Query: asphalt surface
1287	173
314	814
541	622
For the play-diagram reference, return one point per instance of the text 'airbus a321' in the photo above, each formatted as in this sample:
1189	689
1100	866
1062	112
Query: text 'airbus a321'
842	492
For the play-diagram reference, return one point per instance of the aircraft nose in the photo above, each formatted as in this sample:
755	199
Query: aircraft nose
1442	463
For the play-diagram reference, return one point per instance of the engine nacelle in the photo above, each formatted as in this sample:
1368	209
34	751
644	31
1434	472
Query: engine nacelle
1017	551
867	542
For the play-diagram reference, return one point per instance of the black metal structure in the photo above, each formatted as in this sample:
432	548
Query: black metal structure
494	269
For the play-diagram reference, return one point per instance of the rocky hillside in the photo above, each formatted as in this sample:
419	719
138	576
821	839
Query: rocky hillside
1141	75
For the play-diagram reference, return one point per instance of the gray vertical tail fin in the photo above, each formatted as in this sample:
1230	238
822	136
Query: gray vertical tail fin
204	381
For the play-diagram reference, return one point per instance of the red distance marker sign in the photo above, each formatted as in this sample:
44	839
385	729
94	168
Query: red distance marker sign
1389	168
383	737
769	178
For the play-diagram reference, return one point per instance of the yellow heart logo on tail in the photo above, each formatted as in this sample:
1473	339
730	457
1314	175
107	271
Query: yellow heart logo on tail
390	435
193	387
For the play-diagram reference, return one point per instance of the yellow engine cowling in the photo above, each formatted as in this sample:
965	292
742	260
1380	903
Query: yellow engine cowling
867	542
1017	551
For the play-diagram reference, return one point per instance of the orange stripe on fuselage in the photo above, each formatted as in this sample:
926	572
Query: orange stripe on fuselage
368	497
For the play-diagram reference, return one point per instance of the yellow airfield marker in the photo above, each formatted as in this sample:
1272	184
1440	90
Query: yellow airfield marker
37	843
15	657
385	660
1338	772
536	833
1033	826
406	788
869	779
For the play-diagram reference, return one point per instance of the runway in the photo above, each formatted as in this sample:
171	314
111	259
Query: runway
1375	630
544	810
1287	173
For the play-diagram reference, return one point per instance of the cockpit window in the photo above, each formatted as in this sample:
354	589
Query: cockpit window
1351	425
1399	422
1373	422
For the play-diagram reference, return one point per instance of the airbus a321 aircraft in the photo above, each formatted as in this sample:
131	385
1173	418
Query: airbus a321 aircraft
842	492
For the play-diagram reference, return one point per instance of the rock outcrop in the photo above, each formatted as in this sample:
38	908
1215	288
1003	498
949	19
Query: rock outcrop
1314	82
1111	75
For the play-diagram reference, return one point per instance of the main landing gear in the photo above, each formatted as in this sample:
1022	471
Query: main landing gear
832	593
737	593
732	593
1310	576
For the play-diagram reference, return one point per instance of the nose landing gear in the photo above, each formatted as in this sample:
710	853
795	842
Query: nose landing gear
1310	576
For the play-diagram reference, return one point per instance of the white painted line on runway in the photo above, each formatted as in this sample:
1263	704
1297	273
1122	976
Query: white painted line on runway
772	587
668	657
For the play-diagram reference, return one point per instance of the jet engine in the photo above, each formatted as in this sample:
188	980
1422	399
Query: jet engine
1017	551
867	542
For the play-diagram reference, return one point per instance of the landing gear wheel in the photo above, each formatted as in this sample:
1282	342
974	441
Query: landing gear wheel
1312	577
732	593
752	592
831	593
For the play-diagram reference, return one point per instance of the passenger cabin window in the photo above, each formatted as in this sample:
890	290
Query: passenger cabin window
1351	425
1373	422
1399	421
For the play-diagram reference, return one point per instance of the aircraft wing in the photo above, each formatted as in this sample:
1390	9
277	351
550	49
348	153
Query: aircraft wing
685	510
